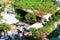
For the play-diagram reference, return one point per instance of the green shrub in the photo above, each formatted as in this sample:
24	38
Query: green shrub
33	4
54	17
47	29
47	6
35	33
1	17
30	17
4	27
18	16
58	16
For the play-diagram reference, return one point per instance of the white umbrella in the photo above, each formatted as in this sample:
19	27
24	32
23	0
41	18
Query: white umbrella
9	19
36	25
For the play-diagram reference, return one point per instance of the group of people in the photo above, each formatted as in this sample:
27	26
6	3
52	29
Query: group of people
23	32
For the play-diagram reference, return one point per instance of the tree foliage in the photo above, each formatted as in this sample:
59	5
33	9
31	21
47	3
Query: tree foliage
0	17
45	31
30	17
4	27
33	3
45	6
18	16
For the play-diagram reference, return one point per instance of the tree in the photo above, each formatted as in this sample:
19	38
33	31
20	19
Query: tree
4	28
48	6
4	3
31	18
18	16
43	32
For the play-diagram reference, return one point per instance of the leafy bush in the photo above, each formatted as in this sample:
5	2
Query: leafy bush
54	17
0	17
35	33
18	16
30	17
47	29
58	16
33	3
43	6
4	27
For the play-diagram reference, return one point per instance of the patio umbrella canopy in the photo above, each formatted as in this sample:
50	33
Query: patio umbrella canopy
36	25
9	19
